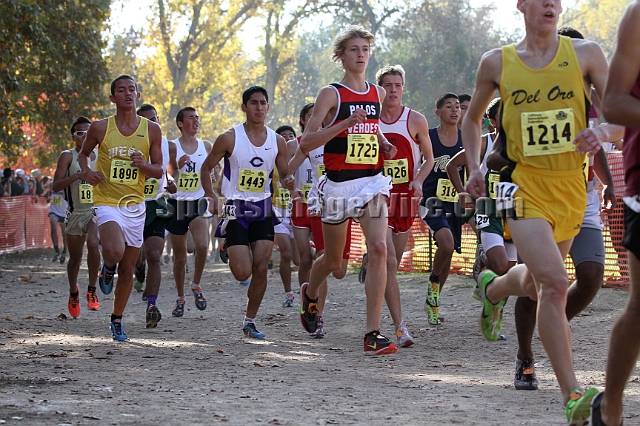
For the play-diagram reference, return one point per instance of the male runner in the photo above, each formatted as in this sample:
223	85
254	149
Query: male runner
621	105
408	131
125	143
155	223
187	154
79	227
57	215
250	150
439	198
464	99
353	186
544	82
306	217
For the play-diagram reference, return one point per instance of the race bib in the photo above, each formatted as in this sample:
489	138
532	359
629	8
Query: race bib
228	212
151	187
284	196
123	172
362	149
85	193
320	170
188	181
446	192
306	188
397	169
548	132
504	195
252	180
494	179
56	200
482	221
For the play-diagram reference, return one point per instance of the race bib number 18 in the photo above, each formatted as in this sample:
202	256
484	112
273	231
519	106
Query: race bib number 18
362	149
85	193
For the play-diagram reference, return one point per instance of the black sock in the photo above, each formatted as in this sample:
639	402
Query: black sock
115	317
56	249
91	289
74	294
434	278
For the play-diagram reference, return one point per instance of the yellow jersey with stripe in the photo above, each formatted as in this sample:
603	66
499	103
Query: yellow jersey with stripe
543	110
123	183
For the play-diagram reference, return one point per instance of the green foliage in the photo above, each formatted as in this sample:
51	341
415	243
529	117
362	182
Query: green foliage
51	69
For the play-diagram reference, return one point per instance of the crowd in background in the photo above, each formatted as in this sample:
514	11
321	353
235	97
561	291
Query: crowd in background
17	182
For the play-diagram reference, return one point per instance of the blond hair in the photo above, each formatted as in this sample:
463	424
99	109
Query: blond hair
340	42
389	70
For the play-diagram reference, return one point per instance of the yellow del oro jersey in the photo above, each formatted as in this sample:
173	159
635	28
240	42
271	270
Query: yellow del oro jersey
123	183
543	110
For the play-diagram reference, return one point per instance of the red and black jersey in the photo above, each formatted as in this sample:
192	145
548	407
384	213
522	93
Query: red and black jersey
336	150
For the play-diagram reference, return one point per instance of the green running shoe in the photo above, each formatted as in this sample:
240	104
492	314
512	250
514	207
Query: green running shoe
578	409
491	315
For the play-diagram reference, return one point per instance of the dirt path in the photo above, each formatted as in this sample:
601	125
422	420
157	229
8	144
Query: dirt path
200	369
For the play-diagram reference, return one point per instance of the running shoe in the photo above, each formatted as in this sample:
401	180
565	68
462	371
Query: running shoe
288	301
153	316
250	330
224	255
178	311
144	296
106	279
74	303
491	315
433	314
596	412
92	301
404	338
477	293
118	330
308	310
478	265
362	275
579	406
63	257
55	257
244	282
201	302
137	285
525	378
319	333
376	344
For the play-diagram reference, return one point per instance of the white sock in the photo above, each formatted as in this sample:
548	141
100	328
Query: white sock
194	285
248	321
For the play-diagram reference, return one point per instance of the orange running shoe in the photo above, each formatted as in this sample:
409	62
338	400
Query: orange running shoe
74	303
92	301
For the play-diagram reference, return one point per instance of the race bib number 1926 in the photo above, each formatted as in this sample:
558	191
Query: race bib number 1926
397	169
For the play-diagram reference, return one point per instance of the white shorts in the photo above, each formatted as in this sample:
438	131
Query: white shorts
284	227
345	200
129	218
490	240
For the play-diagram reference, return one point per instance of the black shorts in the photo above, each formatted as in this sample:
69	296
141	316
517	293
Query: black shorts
156	228
183	213
238	235
445	217
631	240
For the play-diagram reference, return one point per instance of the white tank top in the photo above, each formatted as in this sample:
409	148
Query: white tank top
150	184
316	159
483	165
249	168
188	179
406	145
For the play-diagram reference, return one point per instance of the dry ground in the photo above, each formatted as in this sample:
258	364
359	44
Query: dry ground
199	369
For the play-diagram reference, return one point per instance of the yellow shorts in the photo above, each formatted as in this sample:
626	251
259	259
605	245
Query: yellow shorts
559	197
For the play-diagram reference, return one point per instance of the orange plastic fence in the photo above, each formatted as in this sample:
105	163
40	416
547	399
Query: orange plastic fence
24	224
421	246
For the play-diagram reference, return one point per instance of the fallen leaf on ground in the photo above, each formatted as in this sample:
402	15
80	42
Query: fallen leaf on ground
62	317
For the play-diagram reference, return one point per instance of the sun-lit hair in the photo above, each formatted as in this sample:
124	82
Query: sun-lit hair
390	70
340	42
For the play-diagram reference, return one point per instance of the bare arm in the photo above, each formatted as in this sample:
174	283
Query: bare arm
172	165
601	168
95	135
286	179
419	127
223	146
487	81
60	178
619	106
297	159
453	165
314	135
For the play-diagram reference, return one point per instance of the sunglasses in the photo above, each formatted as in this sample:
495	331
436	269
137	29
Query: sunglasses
79	133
